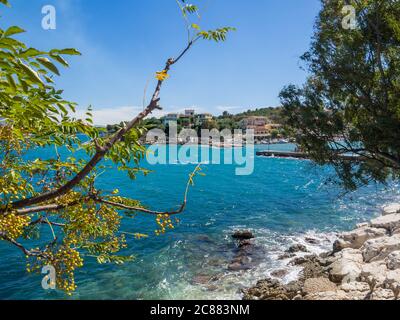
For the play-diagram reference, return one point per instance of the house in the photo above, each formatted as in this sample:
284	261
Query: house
261	126
202	118
171	117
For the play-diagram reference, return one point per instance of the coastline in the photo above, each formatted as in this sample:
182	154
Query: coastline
364	264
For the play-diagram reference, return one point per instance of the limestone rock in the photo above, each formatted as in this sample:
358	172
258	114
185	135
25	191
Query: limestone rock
391	209
374	272
393	260
315	285
389	222
380	248
355	286
356	238
329	296
347	267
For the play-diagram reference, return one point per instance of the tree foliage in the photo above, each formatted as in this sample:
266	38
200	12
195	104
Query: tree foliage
351	101
60	193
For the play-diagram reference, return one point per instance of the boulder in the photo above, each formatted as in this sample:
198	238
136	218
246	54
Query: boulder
315	285
356	238
391	209
336	295
355	287
243	235
297	248
374	272
393	260
312	240
347	266
380	248
270	289
389	222
280	273
286	256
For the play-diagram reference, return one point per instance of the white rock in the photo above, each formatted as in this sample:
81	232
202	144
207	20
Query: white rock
391	209
356	238
347	267
374	271
389	222
355	286
393	276
393	260
362	225
380	248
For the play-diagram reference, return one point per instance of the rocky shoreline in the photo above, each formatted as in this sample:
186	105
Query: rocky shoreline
364	264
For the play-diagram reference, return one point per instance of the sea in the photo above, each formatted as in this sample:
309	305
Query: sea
283	202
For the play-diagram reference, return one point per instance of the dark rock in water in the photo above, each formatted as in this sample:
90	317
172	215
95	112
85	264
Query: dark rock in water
302	260
204	238
297	248
280	273
286	255
243	235
312	240
244	243
204	279
237	266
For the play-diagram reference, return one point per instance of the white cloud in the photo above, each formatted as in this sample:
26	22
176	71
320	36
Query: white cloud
114	115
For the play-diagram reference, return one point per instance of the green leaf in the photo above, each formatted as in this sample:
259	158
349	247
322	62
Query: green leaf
68	51
60	60
31	52
48	64
5	2
11	82
31	74
195	26
13	30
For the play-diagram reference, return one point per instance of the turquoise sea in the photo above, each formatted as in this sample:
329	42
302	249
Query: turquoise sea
283	202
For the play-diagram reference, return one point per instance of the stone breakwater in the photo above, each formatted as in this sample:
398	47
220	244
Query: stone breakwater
364	264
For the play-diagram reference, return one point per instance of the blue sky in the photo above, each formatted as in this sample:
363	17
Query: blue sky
125	41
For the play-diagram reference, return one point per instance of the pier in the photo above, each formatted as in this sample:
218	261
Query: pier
302	155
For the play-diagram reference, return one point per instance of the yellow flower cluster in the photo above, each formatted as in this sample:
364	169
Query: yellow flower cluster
163	221
13	225
162	75
66	260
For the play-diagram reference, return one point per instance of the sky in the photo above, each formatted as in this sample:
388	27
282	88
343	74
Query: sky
124	42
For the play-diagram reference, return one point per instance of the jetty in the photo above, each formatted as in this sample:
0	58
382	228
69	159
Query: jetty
304	156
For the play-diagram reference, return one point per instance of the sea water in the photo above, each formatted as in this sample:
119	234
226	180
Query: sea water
285	201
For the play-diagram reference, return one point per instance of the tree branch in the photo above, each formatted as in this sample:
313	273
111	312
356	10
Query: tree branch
100	151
